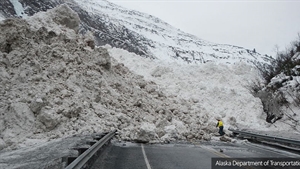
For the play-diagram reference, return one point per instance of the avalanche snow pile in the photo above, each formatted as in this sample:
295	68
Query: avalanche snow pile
56	83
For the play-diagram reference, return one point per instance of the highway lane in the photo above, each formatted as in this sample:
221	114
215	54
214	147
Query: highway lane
179	156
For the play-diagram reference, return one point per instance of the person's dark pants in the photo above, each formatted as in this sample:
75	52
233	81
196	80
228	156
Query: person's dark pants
221	132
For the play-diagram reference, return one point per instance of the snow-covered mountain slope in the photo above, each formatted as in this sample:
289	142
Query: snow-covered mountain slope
140	33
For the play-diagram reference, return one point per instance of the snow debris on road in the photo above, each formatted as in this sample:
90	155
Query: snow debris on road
56	83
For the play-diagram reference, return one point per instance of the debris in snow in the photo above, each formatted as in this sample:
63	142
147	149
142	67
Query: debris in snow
225	139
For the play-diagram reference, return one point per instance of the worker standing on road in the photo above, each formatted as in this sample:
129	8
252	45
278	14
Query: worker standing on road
220	125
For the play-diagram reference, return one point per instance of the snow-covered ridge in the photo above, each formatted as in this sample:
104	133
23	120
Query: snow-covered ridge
146	35
164	41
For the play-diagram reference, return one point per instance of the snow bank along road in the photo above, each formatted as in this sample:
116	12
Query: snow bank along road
124	155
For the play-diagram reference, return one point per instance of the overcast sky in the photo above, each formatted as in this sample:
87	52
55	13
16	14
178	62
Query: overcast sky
259	24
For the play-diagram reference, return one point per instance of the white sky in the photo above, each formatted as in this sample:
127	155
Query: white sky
259	24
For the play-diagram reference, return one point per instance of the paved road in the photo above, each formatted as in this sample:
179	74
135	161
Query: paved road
180	156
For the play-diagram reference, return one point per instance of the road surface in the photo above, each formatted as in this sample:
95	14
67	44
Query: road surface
182	156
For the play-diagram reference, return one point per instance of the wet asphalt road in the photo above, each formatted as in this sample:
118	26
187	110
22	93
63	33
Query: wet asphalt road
181	156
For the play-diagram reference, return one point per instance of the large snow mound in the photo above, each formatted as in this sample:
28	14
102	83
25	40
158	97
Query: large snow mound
56	83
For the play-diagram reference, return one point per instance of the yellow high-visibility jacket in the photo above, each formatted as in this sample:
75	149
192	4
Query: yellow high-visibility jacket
220	123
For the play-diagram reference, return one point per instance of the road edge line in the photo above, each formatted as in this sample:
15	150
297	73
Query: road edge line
145	157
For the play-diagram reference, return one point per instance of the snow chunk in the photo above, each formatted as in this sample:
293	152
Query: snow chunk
3	74
20	116
49	118
56	19
18	123
2	144
36	105
146	132
64	15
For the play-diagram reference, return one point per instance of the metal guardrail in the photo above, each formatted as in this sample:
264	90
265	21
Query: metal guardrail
267	138
81	160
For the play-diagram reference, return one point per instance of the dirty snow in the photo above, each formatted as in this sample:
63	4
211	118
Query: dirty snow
55	83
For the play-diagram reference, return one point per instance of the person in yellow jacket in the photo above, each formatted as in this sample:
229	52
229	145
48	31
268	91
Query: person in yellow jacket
221	126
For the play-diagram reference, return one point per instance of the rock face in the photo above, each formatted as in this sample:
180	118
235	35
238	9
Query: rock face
54	83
